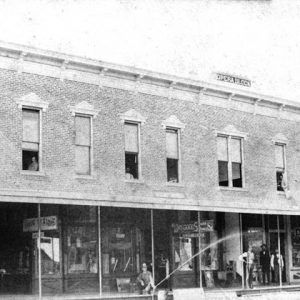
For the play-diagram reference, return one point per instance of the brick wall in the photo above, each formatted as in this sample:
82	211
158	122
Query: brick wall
198	146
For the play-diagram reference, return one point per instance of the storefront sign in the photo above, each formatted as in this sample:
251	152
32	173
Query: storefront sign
47	223
233	79
189	228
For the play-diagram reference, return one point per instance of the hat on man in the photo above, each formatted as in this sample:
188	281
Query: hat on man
263	245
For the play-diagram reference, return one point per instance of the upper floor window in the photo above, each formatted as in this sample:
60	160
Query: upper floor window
83	144
230	161
172	146
31	139
131	150
280	166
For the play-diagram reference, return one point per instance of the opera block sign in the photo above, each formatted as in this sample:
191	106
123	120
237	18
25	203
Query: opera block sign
189	294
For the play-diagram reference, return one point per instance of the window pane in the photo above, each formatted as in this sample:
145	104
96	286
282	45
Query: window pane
279	176
222	148
131	166
30	146
172	170
83	128
279	156
235	149
172	143
30	160
82	157
236	175
30	125
223	173
131	138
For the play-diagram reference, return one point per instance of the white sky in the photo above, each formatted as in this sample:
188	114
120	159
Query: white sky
256	39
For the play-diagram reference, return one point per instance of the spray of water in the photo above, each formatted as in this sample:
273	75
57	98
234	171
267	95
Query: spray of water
196	254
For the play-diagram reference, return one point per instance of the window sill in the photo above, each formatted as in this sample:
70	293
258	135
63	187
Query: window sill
178	184
87	177
282	193
235	189
33	173
139	181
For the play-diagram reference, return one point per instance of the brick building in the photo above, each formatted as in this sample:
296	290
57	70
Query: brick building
111	164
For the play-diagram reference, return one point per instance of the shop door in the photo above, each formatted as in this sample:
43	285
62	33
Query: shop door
187	274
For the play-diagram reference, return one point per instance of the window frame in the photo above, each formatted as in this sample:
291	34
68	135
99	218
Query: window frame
283	145
179	170
40	170
91	152
139	161
229	137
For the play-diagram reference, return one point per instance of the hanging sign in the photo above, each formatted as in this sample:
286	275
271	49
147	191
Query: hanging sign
189	228
233	79
47	223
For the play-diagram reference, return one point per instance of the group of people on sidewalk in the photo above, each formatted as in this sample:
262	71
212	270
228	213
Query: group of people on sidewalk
267	263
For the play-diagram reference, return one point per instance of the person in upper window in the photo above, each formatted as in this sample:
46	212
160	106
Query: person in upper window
145	280
128	175
34	166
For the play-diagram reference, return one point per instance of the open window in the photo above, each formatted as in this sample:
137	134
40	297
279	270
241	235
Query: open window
31	139
280	166
131	150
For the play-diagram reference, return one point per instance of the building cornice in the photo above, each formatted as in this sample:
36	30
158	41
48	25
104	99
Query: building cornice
24	59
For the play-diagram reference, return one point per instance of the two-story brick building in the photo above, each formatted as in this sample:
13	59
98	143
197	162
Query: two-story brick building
105	167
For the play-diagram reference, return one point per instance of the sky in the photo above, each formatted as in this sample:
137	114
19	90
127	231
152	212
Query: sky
255	39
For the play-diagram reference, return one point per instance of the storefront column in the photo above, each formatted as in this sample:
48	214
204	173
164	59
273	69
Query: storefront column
199	246
39	251
241	249
279	251
99	253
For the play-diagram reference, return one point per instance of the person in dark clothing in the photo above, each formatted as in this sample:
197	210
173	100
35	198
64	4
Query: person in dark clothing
264	256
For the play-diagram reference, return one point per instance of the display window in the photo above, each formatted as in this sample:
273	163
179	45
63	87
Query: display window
81	249
125	247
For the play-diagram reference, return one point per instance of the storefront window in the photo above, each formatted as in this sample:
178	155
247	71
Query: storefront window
125	246
295	226
17	248
81	249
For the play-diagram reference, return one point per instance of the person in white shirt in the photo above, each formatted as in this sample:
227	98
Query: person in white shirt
248	258
277	264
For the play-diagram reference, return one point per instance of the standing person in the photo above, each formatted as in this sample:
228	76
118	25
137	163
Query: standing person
145	280
276	264
264	256
248	258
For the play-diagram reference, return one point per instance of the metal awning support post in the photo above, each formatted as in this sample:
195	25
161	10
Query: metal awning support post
39	252
199	246
99	253
152	251
279	251
241	249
